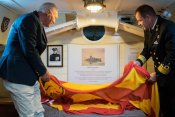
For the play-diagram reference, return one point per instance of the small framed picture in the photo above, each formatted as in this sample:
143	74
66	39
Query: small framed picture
55	56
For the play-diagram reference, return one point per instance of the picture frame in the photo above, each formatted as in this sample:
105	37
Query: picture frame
54	55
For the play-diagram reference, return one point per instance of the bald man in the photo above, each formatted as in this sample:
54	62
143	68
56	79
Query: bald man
21	64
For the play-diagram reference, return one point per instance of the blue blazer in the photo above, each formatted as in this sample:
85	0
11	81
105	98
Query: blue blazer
20	62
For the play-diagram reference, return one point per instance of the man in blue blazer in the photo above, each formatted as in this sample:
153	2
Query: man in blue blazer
21	65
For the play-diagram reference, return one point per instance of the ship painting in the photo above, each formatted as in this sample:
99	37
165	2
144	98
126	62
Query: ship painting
93	57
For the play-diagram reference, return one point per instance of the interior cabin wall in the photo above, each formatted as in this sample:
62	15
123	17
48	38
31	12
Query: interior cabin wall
130	46
4	12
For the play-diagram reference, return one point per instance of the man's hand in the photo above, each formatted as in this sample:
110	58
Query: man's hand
152	78
45	77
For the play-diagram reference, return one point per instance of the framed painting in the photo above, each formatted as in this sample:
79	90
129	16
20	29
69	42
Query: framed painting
55	56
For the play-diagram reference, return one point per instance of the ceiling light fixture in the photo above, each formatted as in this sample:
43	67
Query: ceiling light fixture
94	5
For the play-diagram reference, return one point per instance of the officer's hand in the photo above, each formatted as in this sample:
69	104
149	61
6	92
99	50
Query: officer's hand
137	63
152	78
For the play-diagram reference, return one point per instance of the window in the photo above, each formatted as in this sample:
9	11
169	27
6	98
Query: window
94	33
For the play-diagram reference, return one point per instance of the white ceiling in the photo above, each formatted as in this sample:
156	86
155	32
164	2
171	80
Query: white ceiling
121	6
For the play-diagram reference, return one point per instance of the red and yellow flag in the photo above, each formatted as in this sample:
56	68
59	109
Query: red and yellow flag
130	91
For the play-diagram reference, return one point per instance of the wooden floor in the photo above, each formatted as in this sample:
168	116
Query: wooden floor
7	108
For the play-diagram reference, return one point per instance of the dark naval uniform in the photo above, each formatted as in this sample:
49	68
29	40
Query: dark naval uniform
55	57
160	45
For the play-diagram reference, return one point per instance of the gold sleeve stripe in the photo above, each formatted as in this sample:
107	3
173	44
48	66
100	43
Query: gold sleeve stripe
164	69
142	58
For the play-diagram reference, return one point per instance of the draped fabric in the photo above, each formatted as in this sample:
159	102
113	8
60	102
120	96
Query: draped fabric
130	91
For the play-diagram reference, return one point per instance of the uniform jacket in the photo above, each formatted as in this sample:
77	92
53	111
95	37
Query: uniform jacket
55	57
160	44
20	62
